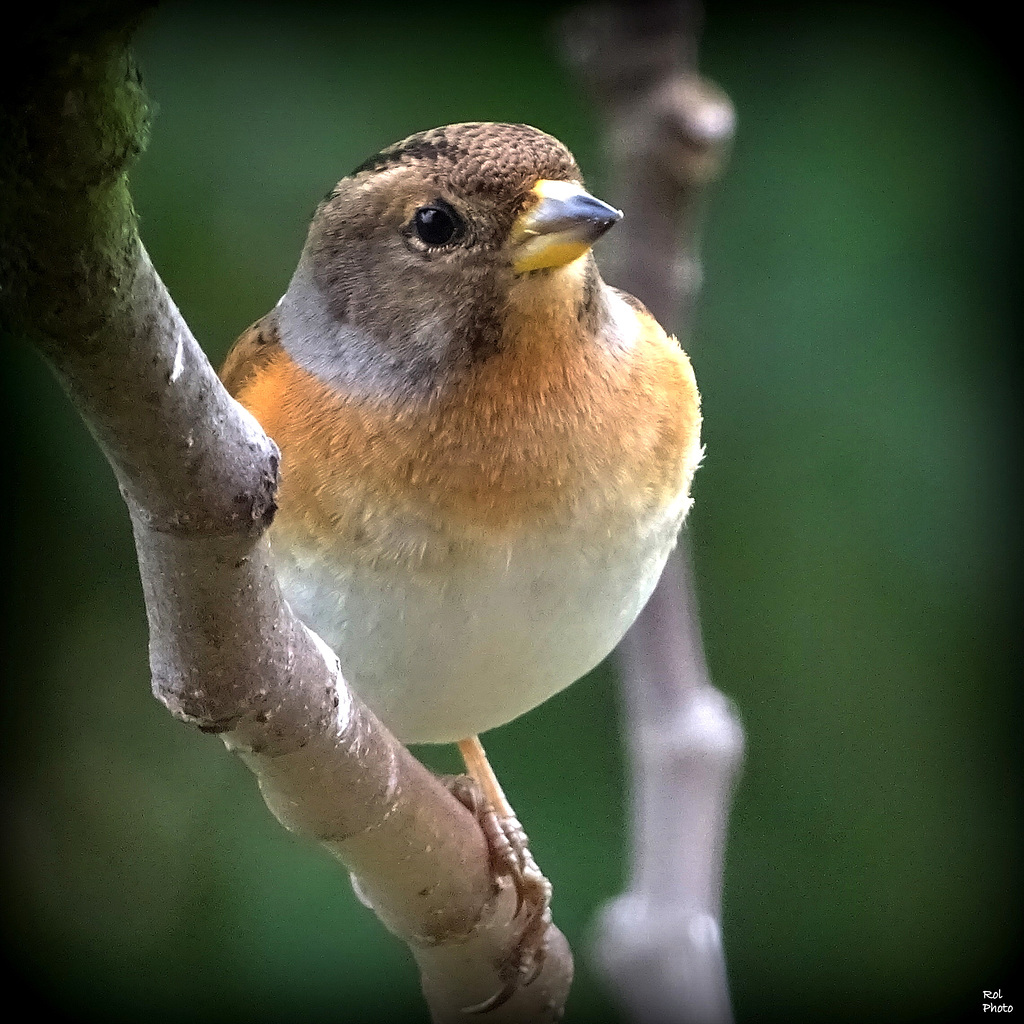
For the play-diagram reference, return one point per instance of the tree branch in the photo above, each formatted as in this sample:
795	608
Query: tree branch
199	477
667	133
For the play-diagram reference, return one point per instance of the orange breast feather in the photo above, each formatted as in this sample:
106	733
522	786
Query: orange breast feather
525	440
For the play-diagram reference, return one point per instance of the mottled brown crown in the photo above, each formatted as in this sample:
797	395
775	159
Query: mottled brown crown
481	157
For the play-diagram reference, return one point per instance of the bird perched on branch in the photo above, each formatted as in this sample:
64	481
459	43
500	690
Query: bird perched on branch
486	451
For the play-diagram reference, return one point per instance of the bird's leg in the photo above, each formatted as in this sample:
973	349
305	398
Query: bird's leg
509	850
506	838
479	768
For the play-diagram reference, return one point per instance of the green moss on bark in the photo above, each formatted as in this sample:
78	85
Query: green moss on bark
74	118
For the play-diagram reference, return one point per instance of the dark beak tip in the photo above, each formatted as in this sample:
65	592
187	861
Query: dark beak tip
609	221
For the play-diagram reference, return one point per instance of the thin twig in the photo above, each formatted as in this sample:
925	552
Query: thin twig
667	132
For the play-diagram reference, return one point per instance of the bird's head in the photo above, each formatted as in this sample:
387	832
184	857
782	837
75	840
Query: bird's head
416	260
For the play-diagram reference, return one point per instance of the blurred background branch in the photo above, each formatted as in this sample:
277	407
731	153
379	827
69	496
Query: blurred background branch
666	133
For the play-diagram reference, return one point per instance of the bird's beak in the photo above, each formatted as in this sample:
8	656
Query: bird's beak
558	226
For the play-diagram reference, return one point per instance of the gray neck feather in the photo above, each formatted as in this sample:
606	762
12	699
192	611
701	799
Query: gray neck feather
349	357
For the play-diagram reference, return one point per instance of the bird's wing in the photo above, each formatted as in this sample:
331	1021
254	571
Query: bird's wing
257	345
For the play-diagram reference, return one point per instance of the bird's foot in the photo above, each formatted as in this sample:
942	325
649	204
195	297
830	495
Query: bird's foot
509	850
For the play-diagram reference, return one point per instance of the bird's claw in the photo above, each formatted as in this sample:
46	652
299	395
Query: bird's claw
510	856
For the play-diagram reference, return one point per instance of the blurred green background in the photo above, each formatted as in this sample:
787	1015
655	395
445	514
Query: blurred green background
855	532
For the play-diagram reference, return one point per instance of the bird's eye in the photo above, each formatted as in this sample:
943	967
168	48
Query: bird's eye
436	224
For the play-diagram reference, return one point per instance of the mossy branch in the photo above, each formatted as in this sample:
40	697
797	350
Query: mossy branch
199	478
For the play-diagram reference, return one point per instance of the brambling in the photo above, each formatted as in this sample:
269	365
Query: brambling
486	451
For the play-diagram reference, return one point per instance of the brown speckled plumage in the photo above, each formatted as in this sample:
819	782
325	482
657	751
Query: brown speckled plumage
481	157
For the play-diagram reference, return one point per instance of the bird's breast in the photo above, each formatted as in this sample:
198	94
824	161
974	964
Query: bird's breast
450	648
526	440
470	556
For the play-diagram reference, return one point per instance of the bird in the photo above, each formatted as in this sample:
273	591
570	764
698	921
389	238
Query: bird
486	450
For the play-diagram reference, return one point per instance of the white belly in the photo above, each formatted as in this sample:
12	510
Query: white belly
445	653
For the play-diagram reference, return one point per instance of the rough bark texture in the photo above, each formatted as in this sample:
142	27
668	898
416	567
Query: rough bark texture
199	478
667	132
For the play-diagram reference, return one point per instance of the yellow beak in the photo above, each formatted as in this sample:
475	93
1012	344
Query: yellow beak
558	226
